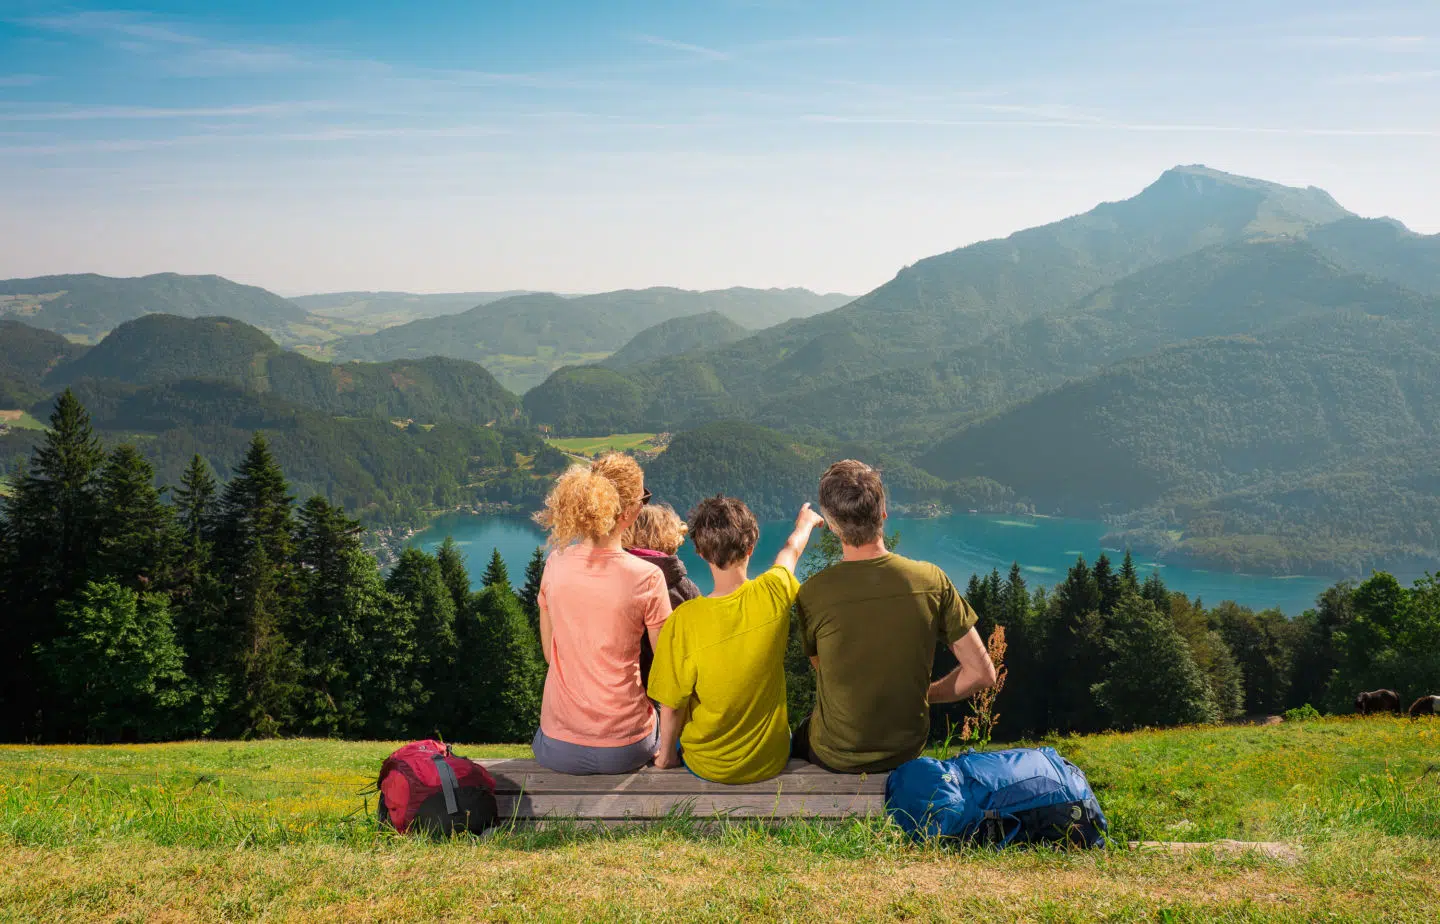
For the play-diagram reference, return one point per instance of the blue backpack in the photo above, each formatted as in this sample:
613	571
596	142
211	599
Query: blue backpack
1025	795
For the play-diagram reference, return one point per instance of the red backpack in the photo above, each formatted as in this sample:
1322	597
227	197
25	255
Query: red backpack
425	786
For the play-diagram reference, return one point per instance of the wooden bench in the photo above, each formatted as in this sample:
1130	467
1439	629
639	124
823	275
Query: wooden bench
527	792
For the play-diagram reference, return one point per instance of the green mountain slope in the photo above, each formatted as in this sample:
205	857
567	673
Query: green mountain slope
677	335
386	309
525	338
1159	438
1383	248
953	301
774	473
1241	288
85	305
380	472
163	348
27	354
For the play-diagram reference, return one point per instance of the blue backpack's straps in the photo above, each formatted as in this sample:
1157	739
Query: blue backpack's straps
448	784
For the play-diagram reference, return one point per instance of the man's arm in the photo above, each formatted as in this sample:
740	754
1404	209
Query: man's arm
789	556
671	721
974	673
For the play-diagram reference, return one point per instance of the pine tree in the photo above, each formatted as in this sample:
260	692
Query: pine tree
135	530
194	504
1129	579
198	597
1075	654
507	676
1150	678
116	668
530	593
417	580
496	574
457	579
49	545
329	639
1156	592
1108	583
1014	599
254	555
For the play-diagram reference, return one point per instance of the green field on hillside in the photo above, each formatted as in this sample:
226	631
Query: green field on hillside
282	830
21	420
591	446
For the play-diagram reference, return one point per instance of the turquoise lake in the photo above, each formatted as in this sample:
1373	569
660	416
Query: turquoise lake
962	544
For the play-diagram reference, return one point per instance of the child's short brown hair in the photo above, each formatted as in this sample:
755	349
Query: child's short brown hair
658	528
724	530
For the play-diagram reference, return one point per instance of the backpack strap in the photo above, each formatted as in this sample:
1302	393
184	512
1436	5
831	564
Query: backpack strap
448	784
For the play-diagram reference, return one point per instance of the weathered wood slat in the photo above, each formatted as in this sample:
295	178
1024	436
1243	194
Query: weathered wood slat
799	777
527	791
546	805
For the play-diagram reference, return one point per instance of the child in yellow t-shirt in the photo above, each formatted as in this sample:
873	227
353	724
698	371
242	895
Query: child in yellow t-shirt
719	672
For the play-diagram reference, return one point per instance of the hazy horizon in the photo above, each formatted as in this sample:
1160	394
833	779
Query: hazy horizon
758	143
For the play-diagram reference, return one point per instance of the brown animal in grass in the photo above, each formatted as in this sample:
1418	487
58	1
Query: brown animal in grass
1377	701
1425	705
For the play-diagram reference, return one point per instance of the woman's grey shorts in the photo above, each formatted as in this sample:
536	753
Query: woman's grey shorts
583	760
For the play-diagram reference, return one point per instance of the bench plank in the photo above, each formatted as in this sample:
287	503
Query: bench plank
527	791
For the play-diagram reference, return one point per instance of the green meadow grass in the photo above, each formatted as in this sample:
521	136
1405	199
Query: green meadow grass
594	445
284	830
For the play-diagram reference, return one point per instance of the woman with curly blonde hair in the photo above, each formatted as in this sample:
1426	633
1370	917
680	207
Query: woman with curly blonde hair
596	601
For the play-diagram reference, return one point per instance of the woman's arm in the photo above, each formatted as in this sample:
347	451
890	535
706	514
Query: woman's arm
545	631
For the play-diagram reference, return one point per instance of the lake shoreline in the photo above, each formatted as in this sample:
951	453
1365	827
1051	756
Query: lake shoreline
960	543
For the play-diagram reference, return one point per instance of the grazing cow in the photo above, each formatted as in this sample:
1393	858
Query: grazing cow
1425	705
1377	701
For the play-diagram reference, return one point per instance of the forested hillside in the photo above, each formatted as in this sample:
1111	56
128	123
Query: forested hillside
388	441
163	348
525	338
775	474
953	301
86	306
677	335
1347	394
228	610
27	354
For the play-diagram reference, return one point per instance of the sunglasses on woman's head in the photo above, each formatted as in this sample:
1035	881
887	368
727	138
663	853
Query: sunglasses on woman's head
645	498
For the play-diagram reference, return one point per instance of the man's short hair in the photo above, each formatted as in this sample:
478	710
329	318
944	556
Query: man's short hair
852	500
724	530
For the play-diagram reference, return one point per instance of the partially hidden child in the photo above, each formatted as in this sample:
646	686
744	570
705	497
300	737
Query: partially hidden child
719	673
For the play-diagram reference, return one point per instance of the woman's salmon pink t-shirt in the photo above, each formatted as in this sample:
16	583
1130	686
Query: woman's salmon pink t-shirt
599	602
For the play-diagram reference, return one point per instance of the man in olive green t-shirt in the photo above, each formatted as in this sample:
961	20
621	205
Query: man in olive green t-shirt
869	624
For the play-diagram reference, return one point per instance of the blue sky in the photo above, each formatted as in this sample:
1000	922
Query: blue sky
311	146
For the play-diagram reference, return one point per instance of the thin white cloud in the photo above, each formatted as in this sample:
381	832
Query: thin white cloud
20	80
86	113
329	134
1161	127
699	51
1391	77
1370	42
114	23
